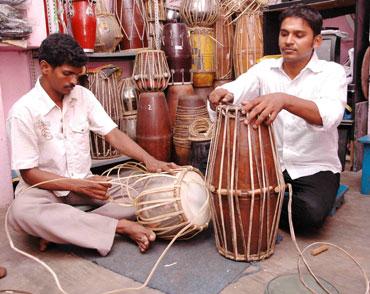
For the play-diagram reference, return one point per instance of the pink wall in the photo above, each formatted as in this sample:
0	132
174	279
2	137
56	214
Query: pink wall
6	194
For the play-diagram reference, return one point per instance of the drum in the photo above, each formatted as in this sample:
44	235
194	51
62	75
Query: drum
153	128
128	126
200	135
127	92
151	72
169	203
248	42
224	47
132	18
202	13
247	187
172	13
83	22
189	108
173	94
243	7
108	31
177	47
150	10
203	45
103	82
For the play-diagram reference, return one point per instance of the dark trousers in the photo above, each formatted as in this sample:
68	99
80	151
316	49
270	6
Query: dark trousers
313	198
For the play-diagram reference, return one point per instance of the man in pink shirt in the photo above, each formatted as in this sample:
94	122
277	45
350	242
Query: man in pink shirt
49	134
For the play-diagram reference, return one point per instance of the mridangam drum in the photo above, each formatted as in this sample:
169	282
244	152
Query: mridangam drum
247	186
170	202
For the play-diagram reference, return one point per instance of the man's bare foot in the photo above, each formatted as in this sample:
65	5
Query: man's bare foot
2	272
142	236
43	245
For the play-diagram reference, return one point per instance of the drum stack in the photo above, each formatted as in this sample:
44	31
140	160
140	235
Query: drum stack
248	32
153	131
200	16
132	18
108	31
81	14
128	95
103	82
224	49
156	16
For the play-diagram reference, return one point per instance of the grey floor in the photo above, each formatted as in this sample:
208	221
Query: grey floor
349	228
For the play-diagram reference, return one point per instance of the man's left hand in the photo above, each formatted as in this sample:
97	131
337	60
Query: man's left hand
264	108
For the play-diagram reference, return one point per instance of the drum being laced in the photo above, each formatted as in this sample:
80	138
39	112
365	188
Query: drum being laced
247	187
169	202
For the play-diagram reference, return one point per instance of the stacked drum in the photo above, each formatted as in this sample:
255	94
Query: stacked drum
200	16
128	95
103	82
153	130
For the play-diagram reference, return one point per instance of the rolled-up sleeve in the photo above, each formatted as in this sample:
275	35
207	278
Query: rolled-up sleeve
332	97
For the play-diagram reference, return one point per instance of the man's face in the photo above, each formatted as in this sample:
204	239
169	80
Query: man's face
296	40
61	79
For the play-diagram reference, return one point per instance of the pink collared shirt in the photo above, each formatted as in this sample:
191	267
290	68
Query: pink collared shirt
304	149
56	140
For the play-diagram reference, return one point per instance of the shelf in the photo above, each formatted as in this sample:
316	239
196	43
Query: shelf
119	54
102	162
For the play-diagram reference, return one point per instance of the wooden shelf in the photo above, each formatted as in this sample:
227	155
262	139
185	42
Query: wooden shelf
113	55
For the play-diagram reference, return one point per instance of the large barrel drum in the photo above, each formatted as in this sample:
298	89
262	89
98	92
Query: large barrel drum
153	128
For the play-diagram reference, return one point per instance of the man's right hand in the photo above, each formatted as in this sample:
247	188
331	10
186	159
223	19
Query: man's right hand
95	187
220	96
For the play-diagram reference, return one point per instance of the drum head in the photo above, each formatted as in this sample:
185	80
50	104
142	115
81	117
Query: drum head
290	283
194	199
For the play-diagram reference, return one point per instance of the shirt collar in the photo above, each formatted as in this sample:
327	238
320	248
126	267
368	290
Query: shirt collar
314	64
47	104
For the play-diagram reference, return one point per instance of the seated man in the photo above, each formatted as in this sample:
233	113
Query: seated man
49	135
305	98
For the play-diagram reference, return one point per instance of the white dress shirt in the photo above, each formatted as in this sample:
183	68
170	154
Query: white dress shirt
304	149
55	140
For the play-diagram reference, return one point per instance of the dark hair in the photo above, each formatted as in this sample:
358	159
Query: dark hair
310	15
58	49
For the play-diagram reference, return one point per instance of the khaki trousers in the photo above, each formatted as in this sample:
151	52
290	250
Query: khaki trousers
42	214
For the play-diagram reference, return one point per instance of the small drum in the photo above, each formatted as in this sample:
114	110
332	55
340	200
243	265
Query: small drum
128	126
168	203
224	48
150	10
177	47
202	13
174	92
103	82
172	13
247	186
132	19
203	45
151	72
108	31
248	42
83	22
127	92
189	108
153	128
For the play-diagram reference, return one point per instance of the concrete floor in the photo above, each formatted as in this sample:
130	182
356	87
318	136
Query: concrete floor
348	228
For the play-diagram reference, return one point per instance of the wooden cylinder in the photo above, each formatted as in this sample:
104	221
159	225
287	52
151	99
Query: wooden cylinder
153	128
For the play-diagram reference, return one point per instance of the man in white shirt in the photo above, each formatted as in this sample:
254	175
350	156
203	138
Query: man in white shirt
304	98
49	135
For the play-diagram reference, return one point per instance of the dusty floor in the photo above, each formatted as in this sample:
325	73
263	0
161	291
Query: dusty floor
348	228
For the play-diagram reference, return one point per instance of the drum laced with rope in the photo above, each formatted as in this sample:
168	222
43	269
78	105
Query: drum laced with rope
167	203
103	82
247	187
242	7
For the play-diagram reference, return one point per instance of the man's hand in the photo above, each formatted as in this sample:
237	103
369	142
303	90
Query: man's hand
263	108
220	96
95	187
154	165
